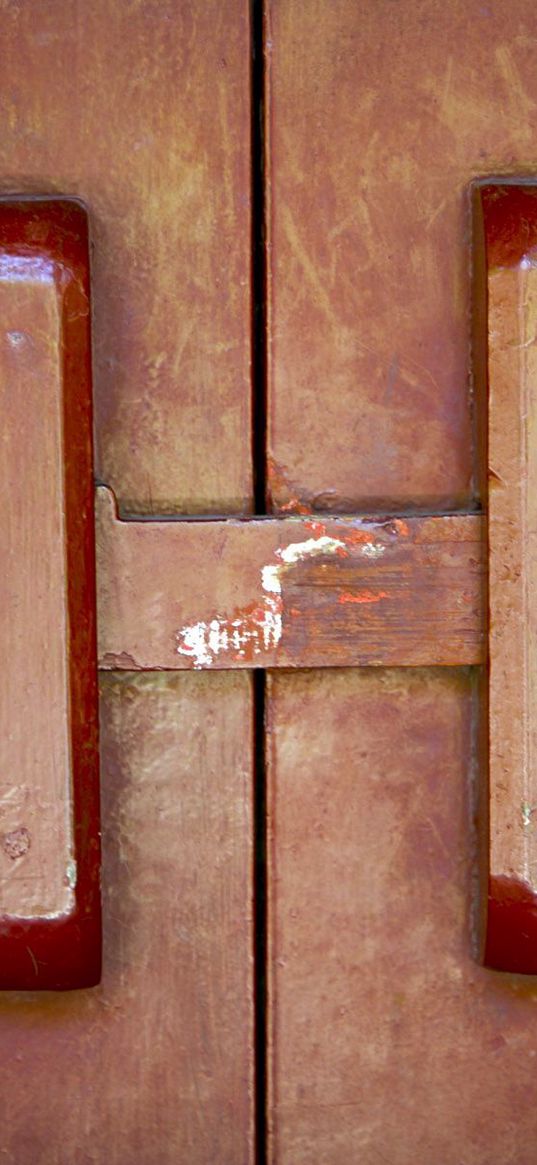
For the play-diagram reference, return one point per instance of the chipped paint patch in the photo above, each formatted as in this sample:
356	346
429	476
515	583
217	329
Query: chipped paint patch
526	813
363	597
296	551
295	506
373	550
358	537
258	628
315	527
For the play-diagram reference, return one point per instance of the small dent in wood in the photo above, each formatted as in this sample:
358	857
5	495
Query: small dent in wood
16	843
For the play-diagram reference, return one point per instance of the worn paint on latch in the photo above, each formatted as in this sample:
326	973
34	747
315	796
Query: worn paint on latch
257	628
362	597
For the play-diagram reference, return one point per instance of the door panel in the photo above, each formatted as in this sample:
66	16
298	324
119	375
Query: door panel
387	1042
141	107
143	110
153	1066
400	106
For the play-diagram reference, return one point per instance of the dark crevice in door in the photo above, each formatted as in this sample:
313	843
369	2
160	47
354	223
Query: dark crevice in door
260	917
259	347
259	443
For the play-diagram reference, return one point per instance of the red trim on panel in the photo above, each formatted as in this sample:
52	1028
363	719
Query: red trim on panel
65	952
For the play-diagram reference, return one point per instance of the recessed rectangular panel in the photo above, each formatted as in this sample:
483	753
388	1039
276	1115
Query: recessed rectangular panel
506	363
49	839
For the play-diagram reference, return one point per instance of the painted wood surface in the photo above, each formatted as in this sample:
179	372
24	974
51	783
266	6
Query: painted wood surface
507	232
401	107
389	1043
152	1066
141	107
50	935
289	592
142	110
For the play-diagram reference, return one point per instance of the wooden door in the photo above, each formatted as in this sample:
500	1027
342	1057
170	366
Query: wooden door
379	1037
143	111
389	1042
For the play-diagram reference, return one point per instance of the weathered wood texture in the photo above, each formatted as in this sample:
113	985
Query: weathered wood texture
379	116
389	1043
152	1067
289	592
508	254
49	784
142	109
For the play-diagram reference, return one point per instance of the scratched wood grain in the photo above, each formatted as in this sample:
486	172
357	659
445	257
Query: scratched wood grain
289	592
35	797
388	1041
141	107
378	117
153	1066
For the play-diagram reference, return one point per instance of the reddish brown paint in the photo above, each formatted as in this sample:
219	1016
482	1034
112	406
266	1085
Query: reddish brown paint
389	1043
509	211
165	1039
379	1008
65	952
363	597
511	942
142	109
149	124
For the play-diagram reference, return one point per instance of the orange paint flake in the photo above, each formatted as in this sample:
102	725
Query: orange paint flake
295	506
363	597
358	537
401	527
315	527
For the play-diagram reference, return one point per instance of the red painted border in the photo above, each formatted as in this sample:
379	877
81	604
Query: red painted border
67	951
505	233
510	221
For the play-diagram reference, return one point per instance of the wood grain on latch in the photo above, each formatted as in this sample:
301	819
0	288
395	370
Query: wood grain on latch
293	592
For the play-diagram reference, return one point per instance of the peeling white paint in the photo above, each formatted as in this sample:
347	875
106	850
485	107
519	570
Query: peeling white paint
259	630
373	550
296	551
71	874
270	579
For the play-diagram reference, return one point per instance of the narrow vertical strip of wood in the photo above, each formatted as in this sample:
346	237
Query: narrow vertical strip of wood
258	681
259	330
509	214
36	826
